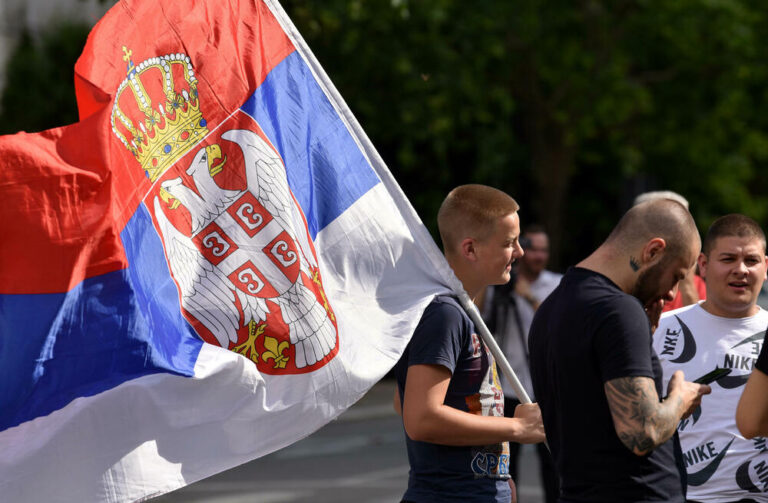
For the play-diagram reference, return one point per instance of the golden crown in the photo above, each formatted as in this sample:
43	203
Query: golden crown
159	119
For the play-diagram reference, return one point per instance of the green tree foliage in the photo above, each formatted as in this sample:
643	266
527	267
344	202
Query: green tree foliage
40	90
572	107
426	80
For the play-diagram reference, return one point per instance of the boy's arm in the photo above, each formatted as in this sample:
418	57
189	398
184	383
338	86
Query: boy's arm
752	411
427	419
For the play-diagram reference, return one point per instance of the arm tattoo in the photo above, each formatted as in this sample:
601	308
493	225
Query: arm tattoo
641	421
634	264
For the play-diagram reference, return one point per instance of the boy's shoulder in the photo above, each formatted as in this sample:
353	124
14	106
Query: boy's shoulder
445	311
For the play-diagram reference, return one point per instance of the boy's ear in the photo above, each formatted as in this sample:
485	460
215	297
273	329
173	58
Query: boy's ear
467	248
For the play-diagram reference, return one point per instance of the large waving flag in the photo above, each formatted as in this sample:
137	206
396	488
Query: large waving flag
210	265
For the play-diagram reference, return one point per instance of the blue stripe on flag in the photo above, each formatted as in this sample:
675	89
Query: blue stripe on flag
325	168
107	330
119	326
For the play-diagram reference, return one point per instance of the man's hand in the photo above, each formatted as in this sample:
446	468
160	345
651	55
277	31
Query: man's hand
530	424
523	289
653	311
689	393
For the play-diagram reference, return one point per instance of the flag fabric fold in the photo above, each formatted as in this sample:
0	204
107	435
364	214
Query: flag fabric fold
213	263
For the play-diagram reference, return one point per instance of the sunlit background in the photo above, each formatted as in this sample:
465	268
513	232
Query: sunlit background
572	107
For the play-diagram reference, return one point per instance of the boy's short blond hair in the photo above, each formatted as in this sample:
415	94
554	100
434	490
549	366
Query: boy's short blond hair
472	211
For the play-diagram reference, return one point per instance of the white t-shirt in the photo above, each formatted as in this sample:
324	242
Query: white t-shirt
722	465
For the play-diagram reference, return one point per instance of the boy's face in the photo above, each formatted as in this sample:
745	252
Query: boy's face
496	253
734	272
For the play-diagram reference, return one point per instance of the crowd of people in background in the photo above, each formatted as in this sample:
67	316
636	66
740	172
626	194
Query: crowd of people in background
617	355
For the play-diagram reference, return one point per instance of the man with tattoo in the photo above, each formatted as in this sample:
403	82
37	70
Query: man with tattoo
596	376
725	331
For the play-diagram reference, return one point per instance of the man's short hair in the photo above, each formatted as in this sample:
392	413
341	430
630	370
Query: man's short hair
663	218
660	194
534	229
472	211
733	225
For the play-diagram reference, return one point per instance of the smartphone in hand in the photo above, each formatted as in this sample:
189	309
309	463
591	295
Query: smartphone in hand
713	376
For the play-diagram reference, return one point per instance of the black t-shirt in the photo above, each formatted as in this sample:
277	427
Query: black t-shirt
586	333
762	360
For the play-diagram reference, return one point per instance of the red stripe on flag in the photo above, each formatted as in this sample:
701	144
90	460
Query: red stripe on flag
67	193
57	221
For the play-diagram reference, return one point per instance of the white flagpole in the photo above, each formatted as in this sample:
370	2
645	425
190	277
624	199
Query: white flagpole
490	341
429	247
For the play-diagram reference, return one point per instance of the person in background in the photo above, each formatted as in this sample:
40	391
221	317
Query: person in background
725	331
692	288
595	374
508	311
448	392
752	411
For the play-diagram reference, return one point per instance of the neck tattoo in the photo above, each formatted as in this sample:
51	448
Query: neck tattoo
633	264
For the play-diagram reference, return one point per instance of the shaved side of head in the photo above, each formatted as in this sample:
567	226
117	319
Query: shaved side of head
472	211
659	218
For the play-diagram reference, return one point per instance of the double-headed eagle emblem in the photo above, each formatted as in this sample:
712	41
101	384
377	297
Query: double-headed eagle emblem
244	263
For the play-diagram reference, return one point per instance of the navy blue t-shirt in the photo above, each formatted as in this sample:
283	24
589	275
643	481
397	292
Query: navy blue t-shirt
446	336
586	333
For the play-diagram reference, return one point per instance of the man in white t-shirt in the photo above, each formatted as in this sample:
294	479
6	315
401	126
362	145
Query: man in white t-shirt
724	331
508	310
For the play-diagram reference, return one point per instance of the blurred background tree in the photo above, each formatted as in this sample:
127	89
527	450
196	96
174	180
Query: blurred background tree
572	107
40	86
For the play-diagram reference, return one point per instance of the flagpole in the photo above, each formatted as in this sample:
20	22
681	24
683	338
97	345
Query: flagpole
429	247
490	341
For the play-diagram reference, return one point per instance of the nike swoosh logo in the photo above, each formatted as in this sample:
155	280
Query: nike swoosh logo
743	479
732	382
695	417
752	338
700	477
689	344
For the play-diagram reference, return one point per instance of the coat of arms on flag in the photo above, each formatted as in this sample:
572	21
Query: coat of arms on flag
234	236
215	248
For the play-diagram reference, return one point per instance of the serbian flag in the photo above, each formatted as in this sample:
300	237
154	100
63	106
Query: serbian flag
213	263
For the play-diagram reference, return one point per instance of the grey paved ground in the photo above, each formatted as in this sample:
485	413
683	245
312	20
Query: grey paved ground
358	458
